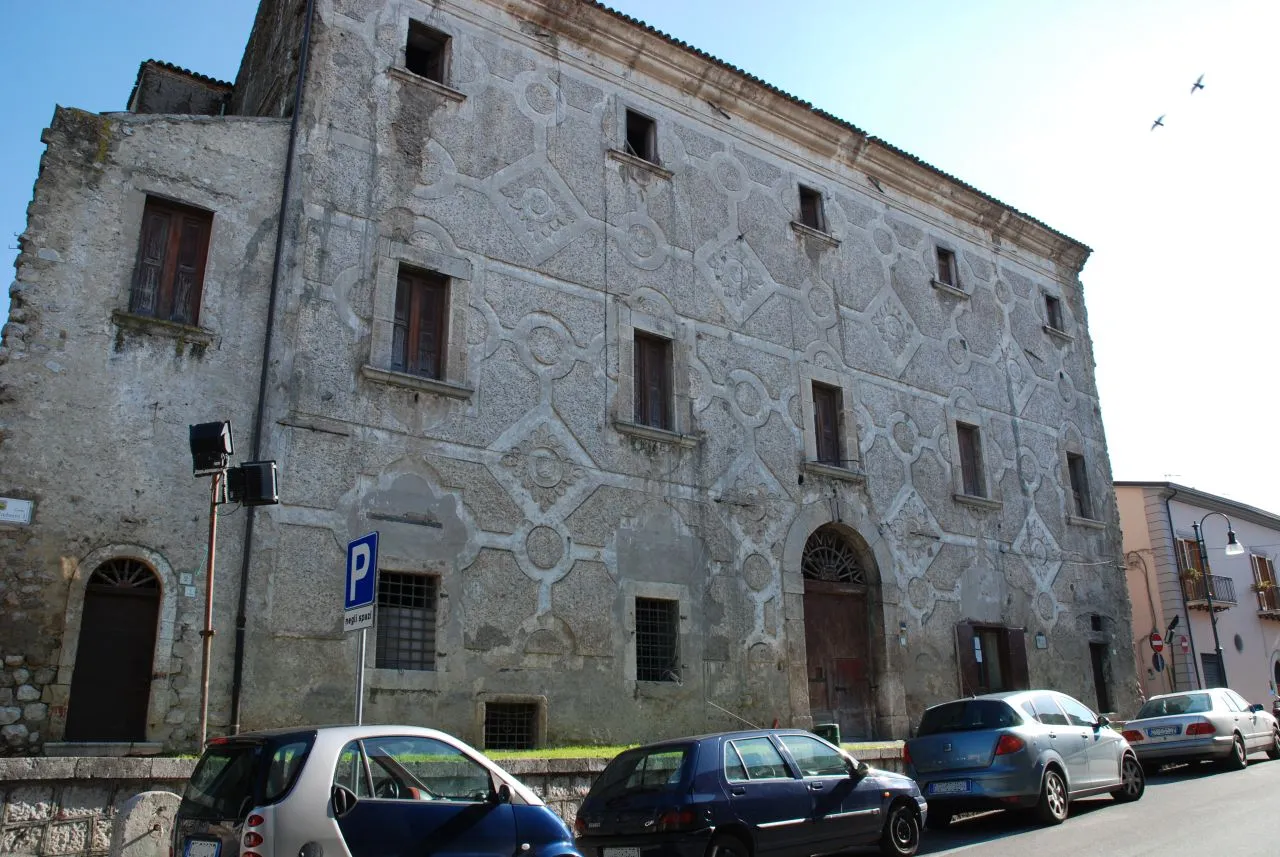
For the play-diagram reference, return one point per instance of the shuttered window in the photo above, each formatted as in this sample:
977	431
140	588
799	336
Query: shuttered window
827	405
1189	554
947	268
811	213
992	658
169	278
1053	312
970	460
418	338
1264	579
653	381
1081	502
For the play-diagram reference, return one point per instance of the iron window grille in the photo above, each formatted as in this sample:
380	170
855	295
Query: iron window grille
657	640
829	556
510	725
406	622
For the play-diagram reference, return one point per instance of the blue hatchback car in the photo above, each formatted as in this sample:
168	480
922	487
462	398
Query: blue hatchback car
764	793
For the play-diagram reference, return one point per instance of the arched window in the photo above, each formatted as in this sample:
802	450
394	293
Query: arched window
829	556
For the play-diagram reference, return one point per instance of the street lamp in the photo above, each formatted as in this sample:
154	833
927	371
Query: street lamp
1233	548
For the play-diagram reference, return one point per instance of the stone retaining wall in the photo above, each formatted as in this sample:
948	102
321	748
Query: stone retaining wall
66	807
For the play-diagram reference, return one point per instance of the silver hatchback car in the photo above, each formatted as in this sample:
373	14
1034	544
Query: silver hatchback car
1031	749
359	791
1203	725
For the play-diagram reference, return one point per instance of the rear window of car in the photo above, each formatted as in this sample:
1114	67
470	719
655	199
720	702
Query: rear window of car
233	777
967	715
643	769
1191	703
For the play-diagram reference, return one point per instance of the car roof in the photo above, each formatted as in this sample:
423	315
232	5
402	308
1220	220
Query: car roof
341	732
1183	693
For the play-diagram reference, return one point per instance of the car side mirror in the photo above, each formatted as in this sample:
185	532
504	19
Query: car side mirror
503	794
344	800
861	770
1103	720
1256	707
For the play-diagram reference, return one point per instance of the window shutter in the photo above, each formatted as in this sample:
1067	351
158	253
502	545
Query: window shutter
826	423
1016	642
400	328
188	275
146	287
430	310
967	662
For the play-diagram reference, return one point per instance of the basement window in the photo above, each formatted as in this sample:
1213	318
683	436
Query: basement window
426	53
642	137
510	725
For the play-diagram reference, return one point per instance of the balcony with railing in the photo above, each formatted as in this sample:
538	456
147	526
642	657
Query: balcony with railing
1268	601
1197	590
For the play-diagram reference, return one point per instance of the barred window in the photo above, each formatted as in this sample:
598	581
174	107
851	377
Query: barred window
657	640
510	725
406	622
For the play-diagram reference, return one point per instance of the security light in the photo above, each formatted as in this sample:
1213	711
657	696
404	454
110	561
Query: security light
210	446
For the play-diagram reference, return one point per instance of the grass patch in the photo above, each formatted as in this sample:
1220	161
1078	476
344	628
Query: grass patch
560	752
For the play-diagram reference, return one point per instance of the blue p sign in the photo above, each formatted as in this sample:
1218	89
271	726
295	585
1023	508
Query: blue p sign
362	562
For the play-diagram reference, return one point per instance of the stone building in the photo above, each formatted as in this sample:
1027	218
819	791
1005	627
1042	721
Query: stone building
676	402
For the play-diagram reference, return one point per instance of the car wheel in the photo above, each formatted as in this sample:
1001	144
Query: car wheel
901	836
1133	782
1238	759
1052	808
725	845
937	819
1273	749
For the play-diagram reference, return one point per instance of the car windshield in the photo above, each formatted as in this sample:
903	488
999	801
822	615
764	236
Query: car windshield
967	715
643	769
1190	703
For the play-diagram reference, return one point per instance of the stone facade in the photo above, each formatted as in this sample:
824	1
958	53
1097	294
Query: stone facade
518	480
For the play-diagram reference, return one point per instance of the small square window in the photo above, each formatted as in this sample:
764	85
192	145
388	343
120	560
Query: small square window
168	279
653	381
657	639
510	725
970	444
426	52
947	273
1081	502
811	211
418	343
405	625
642	138
827	406
1053	312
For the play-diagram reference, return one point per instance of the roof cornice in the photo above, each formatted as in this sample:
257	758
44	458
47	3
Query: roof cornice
1208	502
704	78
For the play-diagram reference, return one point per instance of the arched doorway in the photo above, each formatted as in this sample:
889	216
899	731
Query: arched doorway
111	682
837	631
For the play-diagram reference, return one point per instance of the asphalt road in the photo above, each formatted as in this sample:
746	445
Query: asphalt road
1185	811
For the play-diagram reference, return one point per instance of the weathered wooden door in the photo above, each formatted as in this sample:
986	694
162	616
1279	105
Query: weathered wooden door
111	685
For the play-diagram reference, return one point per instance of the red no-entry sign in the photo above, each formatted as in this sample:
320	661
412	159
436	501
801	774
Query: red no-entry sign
1157	642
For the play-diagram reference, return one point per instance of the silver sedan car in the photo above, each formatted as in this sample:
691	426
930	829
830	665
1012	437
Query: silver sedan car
1202	725
1032	749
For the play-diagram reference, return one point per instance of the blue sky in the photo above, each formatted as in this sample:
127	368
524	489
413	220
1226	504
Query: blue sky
1044	105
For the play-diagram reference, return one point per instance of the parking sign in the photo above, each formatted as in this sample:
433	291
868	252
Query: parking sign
361	582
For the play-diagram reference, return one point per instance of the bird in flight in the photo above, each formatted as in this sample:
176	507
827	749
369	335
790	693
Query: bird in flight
1199	84
1159	123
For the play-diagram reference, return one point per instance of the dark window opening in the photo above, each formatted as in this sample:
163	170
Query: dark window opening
642	138
418	338
971	460
827	407
1053	312
1098	654
510	725
947	274
426	52
169	277
405	622
1081	501
811	212
1095	622
653	381
657	640
1211	668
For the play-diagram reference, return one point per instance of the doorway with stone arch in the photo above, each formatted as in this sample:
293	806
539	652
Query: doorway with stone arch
839	571
111	682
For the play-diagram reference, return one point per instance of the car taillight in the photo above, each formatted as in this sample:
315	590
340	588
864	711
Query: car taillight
579	826
1204	727
252	839
254	820
1132	735
906	755
1009	744
676	819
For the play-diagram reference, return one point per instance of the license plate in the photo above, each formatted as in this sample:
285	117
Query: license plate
1160	731
949	787
201	848
621	852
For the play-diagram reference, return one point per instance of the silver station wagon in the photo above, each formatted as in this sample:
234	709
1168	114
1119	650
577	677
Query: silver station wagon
359	791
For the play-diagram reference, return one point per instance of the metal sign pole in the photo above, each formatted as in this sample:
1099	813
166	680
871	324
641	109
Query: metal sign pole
206	635
364	633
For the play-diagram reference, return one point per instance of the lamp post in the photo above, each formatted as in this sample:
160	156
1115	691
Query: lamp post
1233	548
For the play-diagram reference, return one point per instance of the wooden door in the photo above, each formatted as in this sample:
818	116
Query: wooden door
837	648
111	685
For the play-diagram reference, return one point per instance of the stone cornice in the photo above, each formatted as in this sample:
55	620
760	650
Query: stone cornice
707	80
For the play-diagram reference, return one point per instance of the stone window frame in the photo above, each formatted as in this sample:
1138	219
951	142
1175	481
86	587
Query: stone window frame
968	414
621	153
59	694
536	699
1057	332
455	382
419	680
849	440
955	289
1068	483
677	592
682	336
400	70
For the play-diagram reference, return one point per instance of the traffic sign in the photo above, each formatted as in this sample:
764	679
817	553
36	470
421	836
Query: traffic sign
361	582
1157	642
1184	644
1157	662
